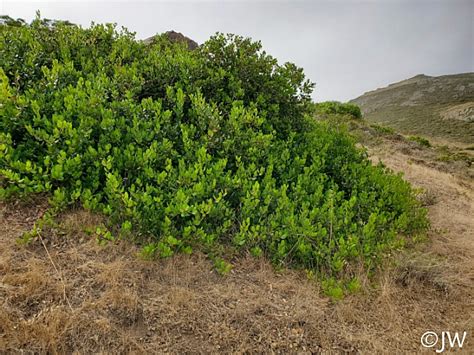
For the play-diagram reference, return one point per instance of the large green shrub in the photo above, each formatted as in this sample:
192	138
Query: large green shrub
338	108
204	149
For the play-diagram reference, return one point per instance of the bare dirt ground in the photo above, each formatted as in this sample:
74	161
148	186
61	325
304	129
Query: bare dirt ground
72	295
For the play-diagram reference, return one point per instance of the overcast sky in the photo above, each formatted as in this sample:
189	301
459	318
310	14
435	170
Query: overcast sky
347	47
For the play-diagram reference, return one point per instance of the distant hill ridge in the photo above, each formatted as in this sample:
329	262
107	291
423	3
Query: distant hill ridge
441	107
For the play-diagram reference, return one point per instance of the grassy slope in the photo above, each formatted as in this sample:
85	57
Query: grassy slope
417	106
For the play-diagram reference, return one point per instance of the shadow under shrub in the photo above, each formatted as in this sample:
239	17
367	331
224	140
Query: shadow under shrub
204	149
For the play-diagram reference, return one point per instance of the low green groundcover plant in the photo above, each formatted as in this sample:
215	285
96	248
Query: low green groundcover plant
211	149
421	141
338	108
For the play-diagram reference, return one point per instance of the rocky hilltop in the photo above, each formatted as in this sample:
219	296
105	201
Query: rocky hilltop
176	37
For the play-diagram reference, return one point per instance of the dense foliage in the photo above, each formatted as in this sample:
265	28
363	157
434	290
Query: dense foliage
191	149
338	108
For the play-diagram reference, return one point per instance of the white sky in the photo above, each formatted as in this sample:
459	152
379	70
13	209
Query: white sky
347	47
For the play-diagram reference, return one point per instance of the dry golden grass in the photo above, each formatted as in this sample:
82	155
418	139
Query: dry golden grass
121	303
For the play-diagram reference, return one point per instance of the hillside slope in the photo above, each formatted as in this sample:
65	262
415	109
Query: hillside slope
441	108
